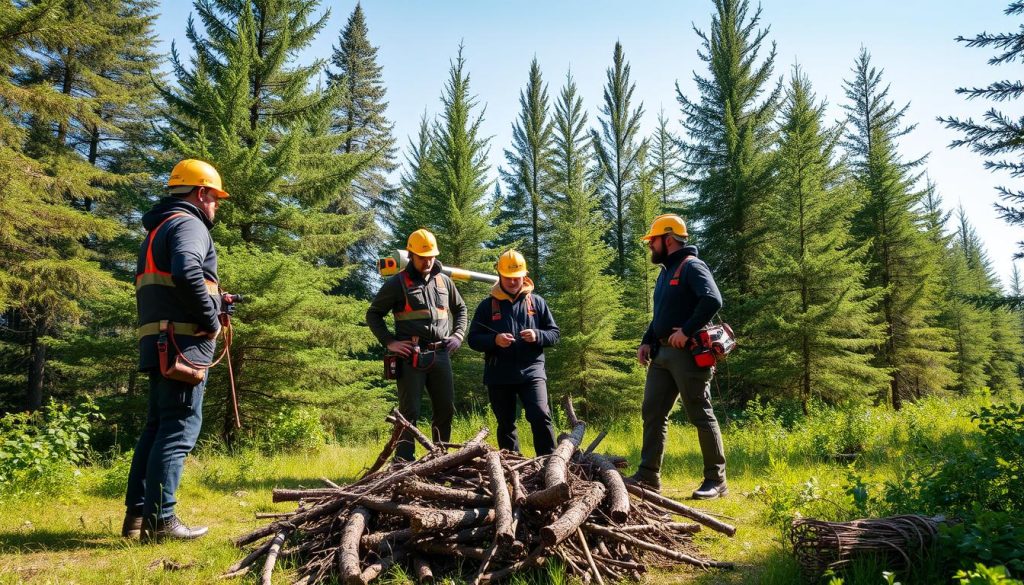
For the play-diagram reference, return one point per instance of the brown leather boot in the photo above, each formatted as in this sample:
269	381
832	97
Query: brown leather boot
132	526
171	528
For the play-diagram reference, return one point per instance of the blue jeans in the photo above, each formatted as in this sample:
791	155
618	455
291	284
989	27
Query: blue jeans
173	421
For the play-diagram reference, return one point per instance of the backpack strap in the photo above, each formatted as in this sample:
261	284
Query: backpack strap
679	270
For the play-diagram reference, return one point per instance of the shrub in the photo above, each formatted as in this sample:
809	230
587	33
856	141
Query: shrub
39	451
291	429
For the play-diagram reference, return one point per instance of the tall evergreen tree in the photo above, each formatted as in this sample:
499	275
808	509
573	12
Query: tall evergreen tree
816	329
998	137
901	259
245	104
667	173
588	362
529	175
455	193
360	118
730	133
617	146
638	284
408	215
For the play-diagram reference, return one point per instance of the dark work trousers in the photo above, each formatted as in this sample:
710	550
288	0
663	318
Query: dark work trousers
534	397
671	374
173	421
439	384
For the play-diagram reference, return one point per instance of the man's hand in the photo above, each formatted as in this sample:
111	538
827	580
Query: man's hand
452	344
678	339
504	339
402	348
643	354
529	335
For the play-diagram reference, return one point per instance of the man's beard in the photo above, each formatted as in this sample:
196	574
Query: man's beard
658	256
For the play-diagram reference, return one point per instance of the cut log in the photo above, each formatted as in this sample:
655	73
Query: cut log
375	570
421	568
296	520
271	560
617	499
686	511
293	495
373	541
348	550
576	513
518	491
428	491
549	498
450	549
435	521
556	469
503	531
396	418
242	567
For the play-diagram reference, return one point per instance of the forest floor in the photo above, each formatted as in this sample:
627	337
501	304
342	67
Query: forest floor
74	537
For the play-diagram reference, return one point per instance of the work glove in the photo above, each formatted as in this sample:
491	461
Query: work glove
452	344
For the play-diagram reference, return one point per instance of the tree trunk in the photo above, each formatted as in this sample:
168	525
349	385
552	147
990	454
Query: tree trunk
36	371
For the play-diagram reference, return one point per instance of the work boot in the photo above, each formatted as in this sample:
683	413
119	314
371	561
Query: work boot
171	528
710	490
132	526
648	482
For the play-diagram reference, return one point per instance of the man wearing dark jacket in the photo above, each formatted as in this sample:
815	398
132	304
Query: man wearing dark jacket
176	281
430	324
686	298
512	327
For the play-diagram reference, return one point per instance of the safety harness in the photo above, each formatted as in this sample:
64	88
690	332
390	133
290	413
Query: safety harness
496	307
408	313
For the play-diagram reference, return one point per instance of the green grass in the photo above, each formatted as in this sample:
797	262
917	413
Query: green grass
773	472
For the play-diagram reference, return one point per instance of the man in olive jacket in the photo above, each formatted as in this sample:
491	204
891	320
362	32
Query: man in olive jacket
512	327
430	324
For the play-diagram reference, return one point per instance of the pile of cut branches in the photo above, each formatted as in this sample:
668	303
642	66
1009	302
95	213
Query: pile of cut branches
483	514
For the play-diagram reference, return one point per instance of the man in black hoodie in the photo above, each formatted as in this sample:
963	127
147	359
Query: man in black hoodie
512	327
686	298
176	281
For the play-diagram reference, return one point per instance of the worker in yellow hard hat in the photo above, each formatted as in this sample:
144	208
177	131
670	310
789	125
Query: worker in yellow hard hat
430	324
686	298
512	327
176	282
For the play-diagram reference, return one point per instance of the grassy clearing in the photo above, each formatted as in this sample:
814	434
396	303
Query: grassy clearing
774	471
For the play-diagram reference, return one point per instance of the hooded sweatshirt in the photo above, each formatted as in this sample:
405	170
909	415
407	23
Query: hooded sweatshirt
182	247
689	303
521	361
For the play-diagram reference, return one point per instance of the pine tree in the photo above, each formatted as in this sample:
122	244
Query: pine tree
901	259
726	154
246	105
998	136
360	118
815	329
528	176
617	149
408	213
638	284
71	82
588	362
667	159
455	192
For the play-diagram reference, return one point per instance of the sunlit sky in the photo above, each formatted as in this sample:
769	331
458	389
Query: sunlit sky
912	40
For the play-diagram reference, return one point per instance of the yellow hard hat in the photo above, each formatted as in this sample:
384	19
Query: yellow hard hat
422	243
668	223
196	173
511	264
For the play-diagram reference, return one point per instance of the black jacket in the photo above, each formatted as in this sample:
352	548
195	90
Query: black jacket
690	303
521	361
183	248
437	295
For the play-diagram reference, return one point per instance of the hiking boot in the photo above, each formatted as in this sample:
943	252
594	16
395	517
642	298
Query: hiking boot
132	526
710	490
171	528
645	481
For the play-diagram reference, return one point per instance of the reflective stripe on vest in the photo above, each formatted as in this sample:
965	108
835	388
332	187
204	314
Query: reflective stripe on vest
152	275
410	314
154	329
679	270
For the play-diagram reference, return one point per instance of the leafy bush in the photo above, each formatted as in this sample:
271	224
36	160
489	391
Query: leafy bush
291	429
39	451
993	538
982	575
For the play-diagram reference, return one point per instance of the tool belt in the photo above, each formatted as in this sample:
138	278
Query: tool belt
422	358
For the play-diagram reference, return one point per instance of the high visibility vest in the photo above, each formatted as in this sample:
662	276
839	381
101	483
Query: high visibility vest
411	313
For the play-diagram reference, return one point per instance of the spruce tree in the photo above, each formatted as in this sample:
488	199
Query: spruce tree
360	118
408	213
901	259
247	106
815	329
456	201
998	137
588	363
617	146
667	173
726	153
528	175
638	284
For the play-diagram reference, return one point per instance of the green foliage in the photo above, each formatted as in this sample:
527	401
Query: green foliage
290	429
982	575
640	275
666	160
992	538
40	450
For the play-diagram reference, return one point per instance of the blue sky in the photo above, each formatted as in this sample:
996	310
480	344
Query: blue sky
912	40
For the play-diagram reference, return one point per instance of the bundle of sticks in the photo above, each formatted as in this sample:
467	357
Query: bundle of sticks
482	514
820	545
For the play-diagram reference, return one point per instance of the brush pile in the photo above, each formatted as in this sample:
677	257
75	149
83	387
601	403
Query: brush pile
481	514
